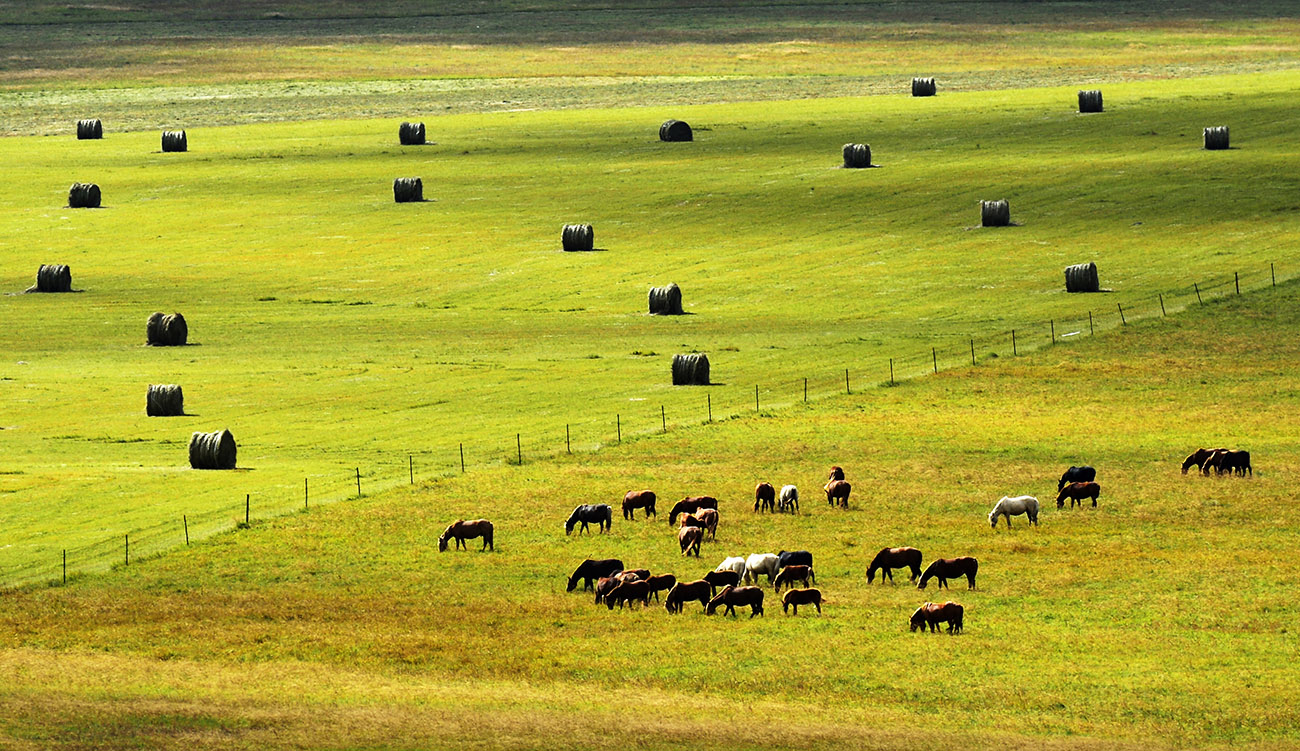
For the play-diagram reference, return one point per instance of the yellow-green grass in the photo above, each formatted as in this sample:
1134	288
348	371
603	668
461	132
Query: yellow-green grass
1160	619
336	330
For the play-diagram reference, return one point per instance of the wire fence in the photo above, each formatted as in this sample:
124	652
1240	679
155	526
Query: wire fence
594	433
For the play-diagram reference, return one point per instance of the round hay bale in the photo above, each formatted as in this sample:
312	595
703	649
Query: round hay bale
83	196
54	277
167	330
89	130
857	155
578	237
1081	277
675	130
411	134
995	213
212	450
408	190
1216	138
666	301
1090	100
691	370
164	400
174	140
923	87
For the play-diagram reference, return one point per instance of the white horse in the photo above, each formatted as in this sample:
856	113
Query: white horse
789	499
1009	507
761	563
734	563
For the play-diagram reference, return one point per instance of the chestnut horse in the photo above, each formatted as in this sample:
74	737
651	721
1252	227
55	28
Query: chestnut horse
636	499
1077	491
592	571
837	473
684	593
690	505
889	559
791	574
1198	458
931	614
708	519
462	530
605	586
838	490
717	579
627	592
765	497
660	583
797	597
689	538
733	596
950	568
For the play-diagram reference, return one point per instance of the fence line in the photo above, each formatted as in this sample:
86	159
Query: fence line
147	542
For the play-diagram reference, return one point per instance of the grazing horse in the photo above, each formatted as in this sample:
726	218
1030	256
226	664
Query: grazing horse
636	499
1076	474
684	593
1214	462
599	514
733	596
793	558
689	538
838	490
726	578
760	563
633	575
791	574
1077	491
950	568
1237	463
1198	458
889	559
462	530
594	570
734	563
789	499
1009	507
605	586
708	518
837	473
690	505
765	497
628	591
661	583
797	597
931	614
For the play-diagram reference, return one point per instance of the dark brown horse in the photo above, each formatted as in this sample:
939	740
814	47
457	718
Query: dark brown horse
605	586
683	593
1076	474
462	530
660	583
791	574
931	614
837	473
737	596
889	559
1077	491
1198	458
838	490
636	499
690	505
591	571
765	497
689	538
1237	463
628	591
950	568
797	597
718	579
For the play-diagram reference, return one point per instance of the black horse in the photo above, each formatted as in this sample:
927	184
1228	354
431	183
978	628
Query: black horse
1076	474
592	571
793	558
602	515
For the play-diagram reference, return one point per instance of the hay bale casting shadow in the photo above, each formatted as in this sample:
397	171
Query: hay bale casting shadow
167	330
408	190
165	400
995	213
174	141
691	370
411	134
666	301
90	130
857	156
1216	138
1081	277
578	237
212	450
83	196
675	131
923	87
1090	100
54	277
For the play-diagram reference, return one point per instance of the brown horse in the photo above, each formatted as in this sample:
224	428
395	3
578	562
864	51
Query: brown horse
931	614
718	579
636	499
628	591
708	518
1237	463
684	593
889	559
951	568
660	583
791	574
1214	462
838	490
1077	491
462	530
733	596
837	473
605	586
797	597
1198	458
690	505
689	538
765	497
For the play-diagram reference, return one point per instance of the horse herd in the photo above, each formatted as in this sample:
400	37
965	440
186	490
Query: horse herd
1220	461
